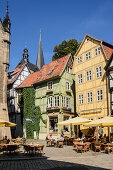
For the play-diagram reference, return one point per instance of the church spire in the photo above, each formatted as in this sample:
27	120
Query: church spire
7	9
6	21
40	57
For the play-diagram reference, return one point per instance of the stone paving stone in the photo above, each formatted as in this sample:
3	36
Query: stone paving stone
57	158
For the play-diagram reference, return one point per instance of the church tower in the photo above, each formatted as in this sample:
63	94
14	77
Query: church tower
40	57
4	65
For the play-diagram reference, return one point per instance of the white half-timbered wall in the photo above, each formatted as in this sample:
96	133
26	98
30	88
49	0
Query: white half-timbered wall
12	92
111	64
111	79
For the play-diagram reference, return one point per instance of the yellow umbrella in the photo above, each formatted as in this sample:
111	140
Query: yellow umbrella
66	122
10	124
79	121
6	123
105	122
74	121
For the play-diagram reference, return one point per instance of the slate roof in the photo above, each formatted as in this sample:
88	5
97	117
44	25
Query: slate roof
48	71
40	57
30	65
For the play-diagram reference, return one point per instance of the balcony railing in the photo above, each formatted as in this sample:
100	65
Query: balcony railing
53	108
49	91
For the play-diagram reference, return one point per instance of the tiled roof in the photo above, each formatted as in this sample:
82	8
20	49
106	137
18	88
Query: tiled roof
48	71
108	50
13	74
53	69
30	80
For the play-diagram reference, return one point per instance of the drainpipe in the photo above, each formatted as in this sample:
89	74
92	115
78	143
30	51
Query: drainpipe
107	90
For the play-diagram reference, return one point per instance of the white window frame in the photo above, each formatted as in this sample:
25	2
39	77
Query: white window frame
88	55
56	101
50	85
80	98
68	69
89	97
97	51
79	78
99	95
63	101
67	85
98	71
88	75
67	102
79	59
50	102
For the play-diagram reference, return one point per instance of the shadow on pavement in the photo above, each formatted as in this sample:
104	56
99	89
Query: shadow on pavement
20	161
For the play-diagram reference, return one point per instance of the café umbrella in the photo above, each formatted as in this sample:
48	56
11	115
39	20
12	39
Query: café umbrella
74	121
6	123
103	122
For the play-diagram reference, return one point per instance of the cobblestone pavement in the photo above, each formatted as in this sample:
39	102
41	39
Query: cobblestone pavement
57	158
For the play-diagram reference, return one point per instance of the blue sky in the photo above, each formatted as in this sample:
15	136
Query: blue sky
59	20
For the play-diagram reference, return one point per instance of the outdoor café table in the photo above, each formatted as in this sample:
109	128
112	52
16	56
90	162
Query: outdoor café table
108	147
31	147
81	146
10	147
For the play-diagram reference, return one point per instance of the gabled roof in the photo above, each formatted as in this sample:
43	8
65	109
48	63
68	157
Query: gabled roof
30	65
107	48
52	69
30	80
12	75
48	71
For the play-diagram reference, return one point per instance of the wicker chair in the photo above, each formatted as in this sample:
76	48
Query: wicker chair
60	143
97	146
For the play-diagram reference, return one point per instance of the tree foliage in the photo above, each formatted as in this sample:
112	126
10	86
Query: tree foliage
65	48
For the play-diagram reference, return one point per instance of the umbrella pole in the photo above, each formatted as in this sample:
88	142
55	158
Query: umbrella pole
77	131
109	133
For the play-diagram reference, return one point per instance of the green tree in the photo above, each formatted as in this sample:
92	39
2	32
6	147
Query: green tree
65	48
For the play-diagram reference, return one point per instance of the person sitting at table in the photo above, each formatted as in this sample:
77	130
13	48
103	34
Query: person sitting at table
51	139
60	139
83	138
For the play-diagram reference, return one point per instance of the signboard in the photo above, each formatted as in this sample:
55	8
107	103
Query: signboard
29	120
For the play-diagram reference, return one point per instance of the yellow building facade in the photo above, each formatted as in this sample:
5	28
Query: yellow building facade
91	84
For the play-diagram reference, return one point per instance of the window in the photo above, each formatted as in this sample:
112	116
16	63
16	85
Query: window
50	85
68	69
88	75
88	55
99	95
81	99
57	101
50	102
97	51
98	71
67	102
67	86
79	78
63	101
89	97
80	59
